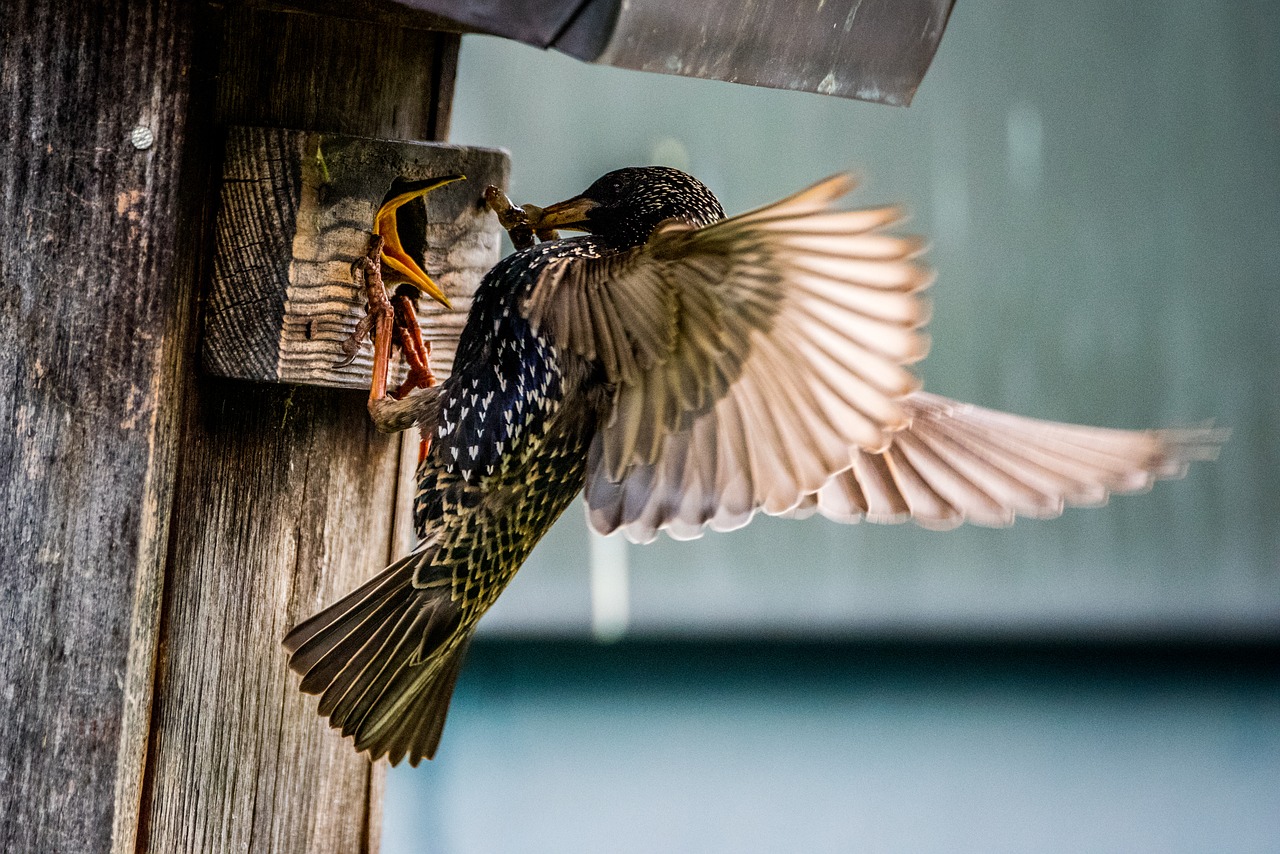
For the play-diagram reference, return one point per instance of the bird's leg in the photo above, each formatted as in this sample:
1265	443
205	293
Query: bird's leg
390	320
394	318
379	320
416	351
520	222
389	413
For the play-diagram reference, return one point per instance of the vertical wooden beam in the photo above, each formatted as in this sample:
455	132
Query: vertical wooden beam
161	529
286	498
96	255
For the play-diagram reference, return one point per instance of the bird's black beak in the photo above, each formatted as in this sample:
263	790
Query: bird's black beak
570	214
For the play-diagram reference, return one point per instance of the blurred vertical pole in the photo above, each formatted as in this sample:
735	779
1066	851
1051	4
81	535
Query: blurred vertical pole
610	587
161	529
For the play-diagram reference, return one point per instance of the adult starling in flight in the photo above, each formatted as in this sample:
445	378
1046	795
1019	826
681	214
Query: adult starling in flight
689	371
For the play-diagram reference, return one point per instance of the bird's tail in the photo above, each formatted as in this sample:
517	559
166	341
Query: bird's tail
385	660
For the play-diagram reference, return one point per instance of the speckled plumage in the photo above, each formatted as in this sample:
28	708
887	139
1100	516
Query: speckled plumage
509	450
508	453
691	371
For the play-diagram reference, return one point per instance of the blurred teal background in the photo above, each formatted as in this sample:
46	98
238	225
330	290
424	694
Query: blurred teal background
1101	184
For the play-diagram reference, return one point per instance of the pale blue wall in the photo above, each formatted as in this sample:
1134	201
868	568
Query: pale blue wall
1101	182
636	749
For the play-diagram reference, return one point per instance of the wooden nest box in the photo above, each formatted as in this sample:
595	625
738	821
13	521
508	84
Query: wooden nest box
296	213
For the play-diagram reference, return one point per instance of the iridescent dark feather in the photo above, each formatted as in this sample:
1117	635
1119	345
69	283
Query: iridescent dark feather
690	371
508	454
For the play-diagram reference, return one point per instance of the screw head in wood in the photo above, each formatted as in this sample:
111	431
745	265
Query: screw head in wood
142	138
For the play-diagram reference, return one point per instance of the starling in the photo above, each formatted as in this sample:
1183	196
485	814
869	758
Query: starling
688	370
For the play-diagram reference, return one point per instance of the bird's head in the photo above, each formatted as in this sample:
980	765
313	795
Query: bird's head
626	205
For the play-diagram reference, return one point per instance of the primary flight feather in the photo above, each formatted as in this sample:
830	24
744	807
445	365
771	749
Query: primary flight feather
689	370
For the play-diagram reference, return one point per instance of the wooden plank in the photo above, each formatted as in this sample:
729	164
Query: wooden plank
331	75
285	498
96	330
377	11
296	210
295	496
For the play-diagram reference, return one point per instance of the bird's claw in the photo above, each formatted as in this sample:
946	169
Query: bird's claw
377	303
352	343
388	320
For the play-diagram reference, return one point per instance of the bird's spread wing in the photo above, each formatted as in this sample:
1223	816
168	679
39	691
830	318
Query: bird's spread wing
953	463
760	348
957	462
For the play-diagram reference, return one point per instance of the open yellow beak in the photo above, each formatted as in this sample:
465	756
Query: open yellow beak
393	251
570	214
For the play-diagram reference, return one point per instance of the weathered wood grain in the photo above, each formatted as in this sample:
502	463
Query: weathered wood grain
96	330
160	528
296	209
286	498
295	492
377	11
333	75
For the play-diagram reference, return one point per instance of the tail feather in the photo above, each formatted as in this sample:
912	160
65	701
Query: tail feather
413	728
314	638
365	674
385	660
348	643
388	670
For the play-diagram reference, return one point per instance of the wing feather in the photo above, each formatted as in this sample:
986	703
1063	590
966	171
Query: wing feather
957	462
952	463
760	364
673	323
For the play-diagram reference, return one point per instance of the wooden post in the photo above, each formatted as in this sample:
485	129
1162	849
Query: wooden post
163	528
